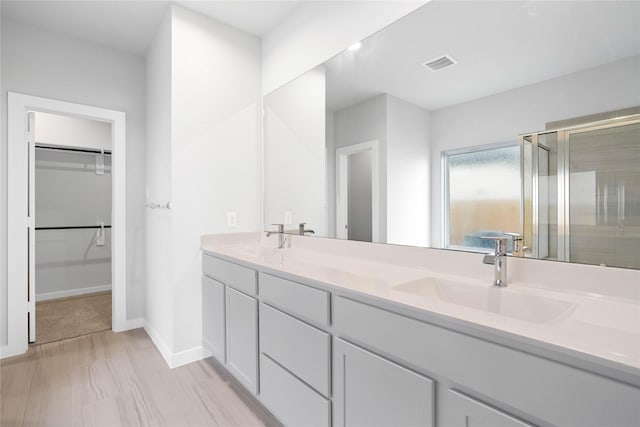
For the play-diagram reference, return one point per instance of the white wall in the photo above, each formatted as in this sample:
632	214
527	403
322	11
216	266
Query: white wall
203	124
294	153
319	30
408	164
330	168
68	131
215	140
158	308
41	63
402	130
363	122
503	117
3	204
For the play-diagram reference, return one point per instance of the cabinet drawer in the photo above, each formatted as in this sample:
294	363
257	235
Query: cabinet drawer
290	400
514	378
468	412
300	348
295	298
241	278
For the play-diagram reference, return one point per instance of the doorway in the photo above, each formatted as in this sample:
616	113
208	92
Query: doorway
70	247
21	235
357	195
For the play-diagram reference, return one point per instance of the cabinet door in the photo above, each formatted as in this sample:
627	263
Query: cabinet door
372	391
213	317
465	411
242	338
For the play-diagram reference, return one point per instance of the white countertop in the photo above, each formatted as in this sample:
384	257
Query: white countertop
589	329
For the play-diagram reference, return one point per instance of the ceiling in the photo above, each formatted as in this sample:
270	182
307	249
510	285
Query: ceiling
254	17
498	46
130	26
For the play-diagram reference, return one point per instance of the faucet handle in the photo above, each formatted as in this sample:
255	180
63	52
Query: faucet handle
280	227
516	238
500	244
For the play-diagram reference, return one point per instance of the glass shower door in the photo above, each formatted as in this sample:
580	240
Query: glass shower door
603	207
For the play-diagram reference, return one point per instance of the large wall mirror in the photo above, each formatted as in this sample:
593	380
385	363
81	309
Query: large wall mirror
465	120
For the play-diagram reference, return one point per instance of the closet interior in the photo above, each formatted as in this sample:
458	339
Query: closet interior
72	201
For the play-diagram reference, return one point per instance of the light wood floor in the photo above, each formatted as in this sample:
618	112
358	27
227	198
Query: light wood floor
109	379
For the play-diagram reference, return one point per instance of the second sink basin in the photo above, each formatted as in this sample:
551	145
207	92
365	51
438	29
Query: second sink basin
503	301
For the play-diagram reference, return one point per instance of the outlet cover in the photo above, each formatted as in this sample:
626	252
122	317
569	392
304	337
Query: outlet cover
232	219
288	217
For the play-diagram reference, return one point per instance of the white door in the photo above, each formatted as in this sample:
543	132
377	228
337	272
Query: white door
31	231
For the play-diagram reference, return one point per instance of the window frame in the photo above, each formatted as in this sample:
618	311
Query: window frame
445	199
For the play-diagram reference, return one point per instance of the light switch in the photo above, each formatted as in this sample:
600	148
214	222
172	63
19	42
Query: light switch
288	217
232	219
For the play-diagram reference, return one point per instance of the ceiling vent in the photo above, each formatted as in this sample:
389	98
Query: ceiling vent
437	64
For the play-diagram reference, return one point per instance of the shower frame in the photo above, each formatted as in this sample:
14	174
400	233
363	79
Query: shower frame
530	217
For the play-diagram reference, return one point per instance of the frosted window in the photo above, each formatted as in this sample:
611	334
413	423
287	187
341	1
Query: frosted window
484	195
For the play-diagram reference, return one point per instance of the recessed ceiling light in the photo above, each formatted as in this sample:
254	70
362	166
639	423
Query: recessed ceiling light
355	46
437	64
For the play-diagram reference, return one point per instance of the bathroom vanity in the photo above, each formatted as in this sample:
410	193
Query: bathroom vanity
384	336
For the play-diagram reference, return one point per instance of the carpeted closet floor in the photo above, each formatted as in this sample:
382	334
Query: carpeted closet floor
72	317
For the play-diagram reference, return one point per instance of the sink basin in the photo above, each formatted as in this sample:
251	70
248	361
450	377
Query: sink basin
530	308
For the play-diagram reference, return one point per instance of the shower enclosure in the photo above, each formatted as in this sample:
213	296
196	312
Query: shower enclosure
581	193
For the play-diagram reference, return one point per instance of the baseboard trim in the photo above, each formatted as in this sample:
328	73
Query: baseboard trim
72	293
162	346
134	323
174	360
189	356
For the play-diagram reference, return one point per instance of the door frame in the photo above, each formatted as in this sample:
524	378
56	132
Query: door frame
17	201
342	187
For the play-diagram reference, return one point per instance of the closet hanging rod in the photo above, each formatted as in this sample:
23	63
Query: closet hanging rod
76	150
72	227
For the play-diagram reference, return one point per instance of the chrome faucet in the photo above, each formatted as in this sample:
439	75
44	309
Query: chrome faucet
499	260
280	232
302	231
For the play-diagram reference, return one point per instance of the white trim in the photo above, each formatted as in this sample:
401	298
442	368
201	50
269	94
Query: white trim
31	223
136	323
72	292
189	356
342	154
161	345
18	105
175	360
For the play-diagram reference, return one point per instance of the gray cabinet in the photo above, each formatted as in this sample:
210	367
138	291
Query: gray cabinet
465	411
213	318
242	338
300	348
292	401
237	276
308	371
372	391
302	301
